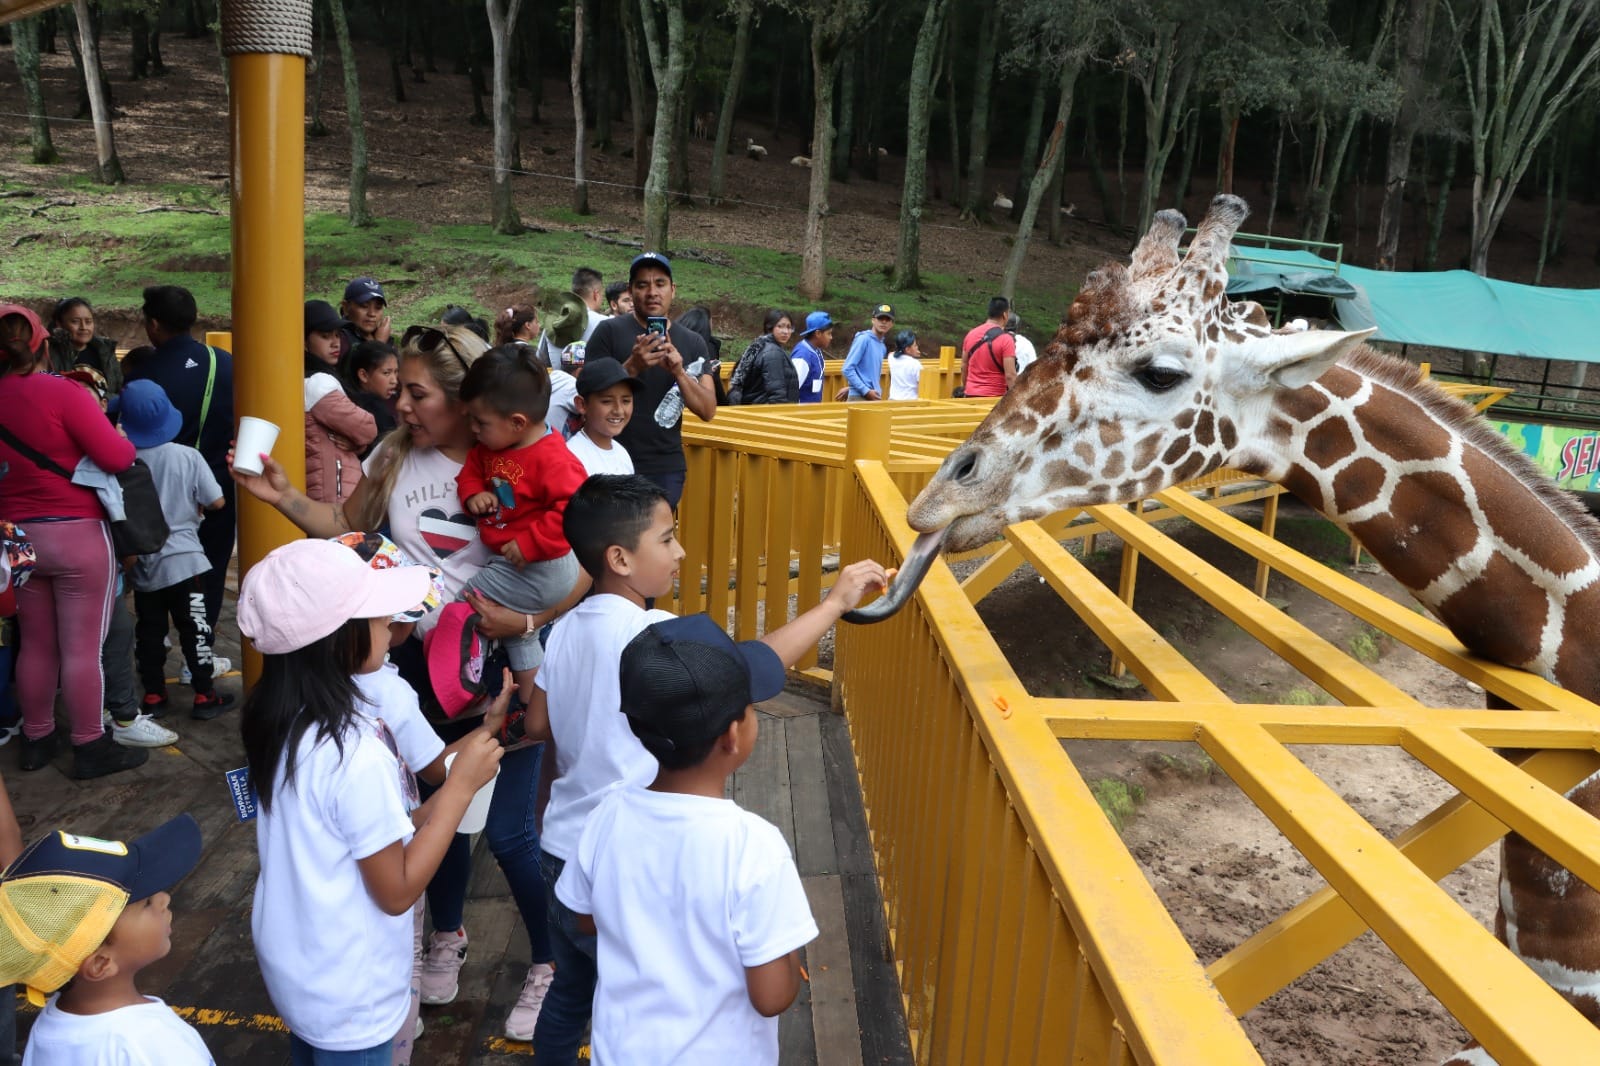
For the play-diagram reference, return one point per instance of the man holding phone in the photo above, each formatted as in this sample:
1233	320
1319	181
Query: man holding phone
673	364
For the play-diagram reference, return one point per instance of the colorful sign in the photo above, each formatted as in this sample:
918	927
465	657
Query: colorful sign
1570	456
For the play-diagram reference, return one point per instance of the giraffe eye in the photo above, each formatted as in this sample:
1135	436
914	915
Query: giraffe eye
1159	378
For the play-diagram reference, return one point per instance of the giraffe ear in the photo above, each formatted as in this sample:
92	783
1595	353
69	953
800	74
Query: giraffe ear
1294	360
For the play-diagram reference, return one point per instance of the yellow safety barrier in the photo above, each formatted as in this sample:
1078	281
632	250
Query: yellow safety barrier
940	376
1023	929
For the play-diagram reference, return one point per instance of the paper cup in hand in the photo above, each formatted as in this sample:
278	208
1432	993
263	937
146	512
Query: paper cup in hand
256	435
477	815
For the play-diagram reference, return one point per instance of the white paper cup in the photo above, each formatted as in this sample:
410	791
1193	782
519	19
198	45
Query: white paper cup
477	815
256	435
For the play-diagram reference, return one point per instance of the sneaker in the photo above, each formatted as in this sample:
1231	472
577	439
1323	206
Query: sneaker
525	1014
104	756
417	1033
7	732
154	703
36	754
441	966
207	705
142	732
220	664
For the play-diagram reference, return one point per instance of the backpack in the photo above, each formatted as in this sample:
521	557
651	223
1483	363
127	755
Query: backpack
989	339
143	529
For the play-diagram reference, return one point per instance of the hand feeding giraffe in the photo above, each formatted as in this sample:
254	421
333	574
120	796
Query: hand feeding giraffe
1155	379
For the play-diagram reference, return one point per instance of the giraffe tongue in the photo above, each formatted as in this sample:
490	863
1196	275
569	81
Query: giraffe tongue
924	550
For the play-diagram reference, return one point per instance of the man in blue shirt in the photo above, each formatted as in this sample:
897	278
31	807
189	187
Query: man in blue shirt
199	382
863	365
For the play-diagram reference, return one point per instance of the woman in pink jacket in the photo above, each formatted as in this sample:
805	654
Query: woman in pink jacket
69	595
337	429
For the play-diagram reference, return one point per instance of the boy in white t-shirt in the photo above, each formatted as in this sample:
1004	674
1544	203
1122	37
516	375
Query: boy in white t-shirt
624	534
605	403
680	880
89	914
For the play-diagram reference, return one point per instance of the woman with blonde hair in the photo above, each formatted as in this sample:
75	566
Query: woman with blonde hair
410	493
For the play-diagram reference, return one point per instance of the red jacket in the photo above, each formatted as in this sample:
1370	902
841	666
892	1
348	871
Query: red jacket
542	478
57	417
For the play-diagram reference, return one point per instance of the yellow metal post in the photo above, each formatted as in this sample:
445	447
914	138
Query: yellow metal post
267	45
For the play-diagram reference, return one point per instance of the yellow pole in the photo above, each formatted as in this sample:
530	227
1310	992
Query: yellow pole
267	90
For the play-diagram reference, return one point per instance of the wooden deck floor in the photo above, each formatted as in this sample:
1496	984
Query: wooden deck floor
801	776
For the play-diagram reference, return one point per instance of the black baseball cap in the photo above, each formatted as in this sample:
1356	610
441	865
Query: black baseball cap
655	259
684	681
321	317
602	374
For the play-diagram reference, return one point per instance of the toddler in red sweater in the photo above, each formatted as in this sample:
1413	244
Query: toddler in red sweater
517	481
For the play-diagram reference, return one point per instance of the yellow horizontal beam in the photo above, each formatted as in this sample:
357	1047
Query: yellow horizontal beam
1511	1010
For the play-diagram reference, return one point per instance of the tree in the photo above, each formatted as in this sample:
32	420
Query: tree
1403	133
108	167
502	28
25	43
975	204
667	64
833	22
359	215
1533	60
919	113
1160	43
580	183
746	10
636	93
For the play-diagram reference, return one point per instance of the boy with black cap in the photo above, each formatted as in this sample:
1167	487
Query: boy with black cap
680	880
89	914
605	403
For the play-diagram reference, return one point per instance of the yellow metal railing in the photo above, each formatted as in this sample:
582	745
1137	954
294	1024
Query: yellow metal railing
940	375
1023	929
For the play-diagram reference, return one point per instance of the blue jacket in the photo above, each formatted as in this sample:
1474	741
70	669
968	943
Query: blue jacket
863	366
811	390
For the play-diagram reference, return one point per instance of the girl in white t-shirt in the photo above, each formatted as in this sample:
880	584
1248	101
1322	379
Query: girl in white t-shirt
342	863
905	367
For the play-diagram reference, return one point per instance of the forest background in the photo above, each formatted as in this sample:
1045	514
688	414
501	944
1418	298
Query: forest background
837	151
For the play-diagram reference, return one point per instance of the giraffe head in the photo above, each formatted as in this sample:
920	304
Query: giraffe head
1153	379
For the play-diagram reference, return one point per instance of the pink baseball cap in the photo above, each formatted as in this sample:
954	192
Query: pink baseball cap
37	333
305	590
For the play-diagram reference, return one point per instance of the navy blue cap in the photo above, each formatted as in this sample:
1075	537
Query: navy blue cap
684	681
363	289
141	868
655	259
148	417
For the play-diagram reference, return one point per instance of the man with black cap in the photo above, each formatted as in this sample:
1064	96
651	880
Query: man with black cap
673	366
863	364
198	379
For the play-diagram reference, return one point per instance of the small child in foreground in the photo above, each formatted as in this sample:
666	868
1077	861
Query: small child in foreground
517	481
89	914
679	880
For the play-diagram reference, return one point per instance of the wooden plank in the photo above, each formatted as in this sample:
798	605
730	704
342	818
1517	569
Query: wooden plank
833	999
808	792
761	785
797	1039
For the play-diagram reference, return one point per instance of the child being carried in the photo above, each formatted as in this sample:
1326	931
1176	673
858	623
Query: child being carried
517	481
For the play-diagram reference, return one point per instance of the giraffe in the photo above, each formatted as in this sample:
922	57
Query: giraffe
1154	379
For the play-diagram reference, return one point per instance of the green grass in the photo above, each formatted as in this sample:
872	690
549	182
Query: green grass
104	249
1365	646
1304	697
1118	799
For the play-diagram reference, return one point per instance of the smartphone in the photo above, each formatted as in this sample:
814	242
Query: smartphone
655	324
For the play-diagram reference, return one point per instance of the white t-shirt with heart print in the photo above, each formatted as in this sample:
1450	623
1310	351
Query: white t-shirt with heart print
427	521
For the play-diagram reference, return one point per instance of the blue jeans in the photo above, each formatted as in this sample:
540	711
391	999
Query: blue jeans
303	1054
513	837
8	1026
671	484
570	1001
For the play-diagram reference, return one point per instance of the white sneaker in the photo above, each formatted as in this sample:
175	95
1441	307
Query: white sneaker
220	664
142	732
524	1014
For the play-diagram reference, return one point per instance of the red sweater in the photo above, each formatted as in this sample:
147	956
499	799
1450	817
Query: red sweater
57	417
543	476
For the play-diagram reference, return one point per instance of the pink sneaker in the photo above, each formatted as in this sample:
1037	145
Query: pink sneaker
441	966
525	1014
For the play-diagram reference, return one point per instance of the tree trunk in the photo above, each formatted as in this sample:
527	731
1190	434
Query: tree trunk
194	20
392	13
668	67
580	140
1191	144
976	202
678	171
82	110
603	62
1277	174
1549	214
919	112
871	137
813	255
108	166
957	190
314	126
502	31
25	46
1430	251
1030	144
1165	90
845	127
1230	143
730	99
359	216
636	94
1122	151
1403	132
1043	178
139	52
532	74
777	93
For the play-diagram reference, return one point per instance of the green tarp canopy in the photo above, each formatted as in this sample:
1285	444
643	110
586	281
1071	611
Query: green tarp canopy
1443	309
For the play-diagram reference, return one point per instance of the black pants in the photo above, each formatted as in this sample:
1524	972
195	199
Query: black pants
185	605
216	540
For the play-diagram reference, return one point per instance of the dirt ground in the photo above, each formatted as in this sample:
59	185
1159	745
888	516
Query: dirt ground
1221	867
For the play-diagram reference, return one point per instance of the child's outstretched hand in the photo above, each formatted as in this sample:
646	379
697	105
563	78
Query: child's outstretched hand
482	503
853	584
477	760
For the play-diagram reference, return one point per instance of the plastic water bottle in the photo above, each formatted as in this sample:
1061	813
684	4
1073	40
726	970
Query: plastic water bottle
670	409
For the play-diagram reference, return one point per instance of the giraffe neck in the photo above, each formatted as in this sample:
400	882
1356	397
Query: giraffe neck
1451	511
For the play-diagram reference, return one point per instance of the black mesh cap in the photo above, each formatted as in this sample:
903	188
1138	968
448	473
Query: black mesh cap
685	680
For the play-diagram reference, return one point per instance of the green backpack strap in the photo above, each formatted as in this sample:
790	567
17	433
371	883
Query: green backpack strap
205	404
